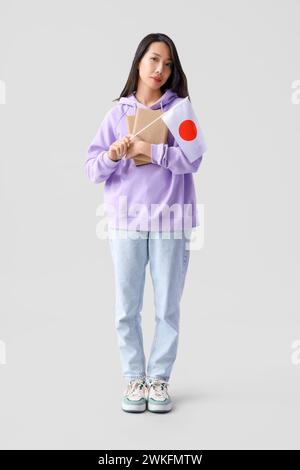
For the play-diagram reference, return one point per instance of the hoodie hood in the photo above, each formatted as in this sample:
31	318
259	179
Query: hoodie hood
131	101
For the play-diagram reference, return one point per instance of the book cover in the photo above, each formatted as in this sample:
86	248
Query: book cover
157	133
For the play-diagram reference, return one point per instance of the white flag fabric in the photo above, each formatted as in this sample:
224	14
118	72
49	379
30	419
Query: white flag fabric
184	125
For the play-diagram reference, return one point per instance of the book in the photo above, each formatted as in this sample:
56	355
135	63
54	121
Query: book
138	159
157	133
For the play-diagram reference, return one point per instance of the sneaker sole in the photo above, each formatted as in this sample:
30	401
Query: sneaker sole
134	408
159	408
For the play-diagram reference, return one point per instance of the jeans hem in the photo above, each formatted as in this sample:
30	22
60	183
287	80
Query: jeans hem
141	376
151	377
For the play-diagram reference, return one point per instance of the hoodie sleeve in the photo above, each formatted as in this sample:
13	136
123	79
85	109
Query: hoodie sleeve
172	158
98	166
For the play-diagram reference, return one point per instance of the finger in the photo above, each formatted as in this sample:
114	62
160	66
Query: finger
127	143
113	154
121	148
113	151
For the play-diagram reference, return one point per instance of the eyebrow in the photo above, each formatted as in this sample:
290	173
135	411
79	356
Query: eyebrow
155	53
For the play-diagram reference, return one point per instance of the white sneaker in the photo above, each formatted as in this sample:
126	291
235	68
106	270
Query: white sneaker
159	400
134	399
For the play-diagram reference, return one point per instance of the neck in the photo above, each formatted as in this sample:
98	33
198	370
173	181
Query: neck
146	96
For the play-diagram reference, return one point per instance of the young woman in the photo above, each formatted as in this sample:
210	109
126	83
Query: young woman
156	81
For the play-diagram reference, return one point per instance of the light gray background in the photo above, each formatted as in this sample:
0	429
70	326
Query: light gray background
233	383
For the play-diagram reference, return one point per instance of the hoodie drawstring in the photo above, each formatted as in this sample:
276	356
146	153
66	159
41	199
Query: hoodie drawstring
135	109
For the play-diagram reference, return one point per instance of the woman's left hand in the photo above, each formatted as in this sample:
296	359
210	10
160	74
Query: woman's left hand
134	147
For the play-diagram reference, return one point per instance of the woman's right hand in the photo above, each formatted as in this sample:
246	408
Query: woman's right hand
119	148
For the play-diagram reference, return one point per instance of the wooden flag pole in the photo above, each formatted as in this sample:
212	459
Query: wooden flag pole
159	117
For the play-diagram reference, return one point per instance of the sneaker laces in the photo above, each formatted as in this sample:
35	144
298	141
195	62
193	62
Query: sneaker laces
135	389
159	389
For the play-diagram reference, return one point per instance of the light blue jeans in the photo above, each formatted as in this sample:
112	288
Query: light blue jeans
168	259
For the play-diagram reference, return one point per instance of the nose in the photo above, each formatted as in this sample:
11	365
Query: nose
159	70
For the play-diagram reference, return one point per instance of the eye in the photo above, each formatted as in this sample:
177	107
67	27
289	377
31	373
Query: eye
169	65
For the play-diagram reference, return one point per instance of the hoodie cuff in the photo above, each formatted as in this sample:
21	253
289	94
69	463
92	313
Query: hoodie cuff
108	162
157	151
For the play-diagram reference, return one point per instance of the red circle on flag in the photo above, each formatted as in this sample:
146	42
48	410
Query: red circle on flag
188	130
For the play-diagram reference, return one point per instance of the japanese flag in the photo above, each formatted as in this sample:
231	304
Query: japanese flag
184	125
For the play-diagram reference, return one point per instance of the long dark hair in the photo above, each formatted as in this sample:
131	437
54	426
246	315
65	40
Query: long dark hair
176	82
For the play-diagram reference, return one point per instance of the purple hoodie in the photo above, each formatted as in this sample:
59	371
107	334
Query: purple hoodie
157	196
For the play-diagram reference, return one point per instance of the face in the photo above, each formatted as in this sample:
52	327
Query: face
156	62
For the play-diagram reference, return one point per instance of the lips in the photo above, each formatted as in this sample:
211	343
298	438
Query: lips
156	79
